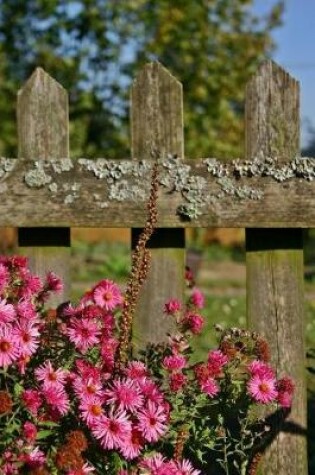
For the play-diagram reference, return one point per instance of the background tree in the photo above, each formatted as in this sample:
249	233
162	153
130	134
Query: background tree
94	47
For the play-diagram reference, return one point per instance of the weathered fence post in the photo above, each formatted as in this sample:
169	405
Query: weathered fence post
275	261
157	125
42	115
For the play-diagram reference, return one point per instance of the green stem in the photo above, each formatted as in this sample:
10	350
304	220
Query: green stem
244	468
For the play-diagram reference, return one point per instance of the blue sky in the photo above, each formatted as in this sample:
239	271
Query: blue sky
295	51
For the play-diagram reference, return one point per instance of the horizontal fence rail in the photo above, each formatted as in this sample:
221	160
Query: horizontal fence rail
193	193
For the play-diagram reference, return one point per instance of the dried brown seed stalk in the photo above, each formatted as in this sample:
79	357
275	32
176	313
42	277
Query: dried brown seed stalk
139	271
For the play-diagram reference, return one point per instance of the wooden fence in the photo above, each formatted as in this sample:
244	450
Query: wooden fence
269	192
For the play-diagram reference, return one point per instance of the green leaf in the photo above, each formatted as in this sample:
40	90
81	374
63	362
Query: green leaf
43	434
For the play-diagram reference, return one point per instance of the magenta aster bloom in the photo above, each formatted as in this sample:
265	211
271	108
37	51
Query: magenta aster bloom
210	387
262	389
31	285
177	381
152	422
216	356
197	299
57	398
136	370
49	376
126	394
53	282
174	362
185	468
9	349
172	306
261	369
84	470
32	400
193	322
83	333
36	458
150	391
132	448
285	387
113	430
87	388
4	277
7	312
29	431
158	465
91	410
27	337
26	310
107	295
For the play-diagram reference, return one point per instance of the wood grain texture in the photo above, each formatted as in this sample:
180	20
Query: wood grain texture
275	263
157	126
287	204
42	121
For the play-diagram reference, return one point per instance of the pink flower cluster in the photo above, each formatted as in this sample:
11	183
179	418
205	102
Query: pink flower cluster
264	388
21	295
123	413
188	319
92	324
208	374
159	465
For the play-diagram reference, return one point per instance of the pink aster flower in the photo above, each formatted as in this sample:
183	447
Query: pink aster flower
107	295
50	376
197	299
29	431
285	388
193	322
261	369
26	310
150	391
113	430
4	277
185	468
262	389
132	448
126	394
174	362
136	370
27	337
56	397
87	388
158	465
216	360
53	283
217	356
31	285
210	386
36	458
9	349
91	410
177	381
84	470
108	350
152	422
32	400
83	333
88	371
7	312
172	306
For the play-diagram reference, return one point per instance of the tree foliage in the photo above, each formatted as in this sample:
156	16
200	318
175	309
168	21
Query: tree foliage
94	48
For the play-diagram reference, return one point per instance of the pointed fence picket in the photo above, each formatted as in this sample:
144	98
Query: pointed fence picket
44	198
